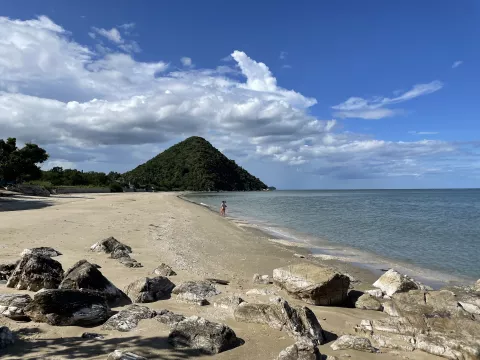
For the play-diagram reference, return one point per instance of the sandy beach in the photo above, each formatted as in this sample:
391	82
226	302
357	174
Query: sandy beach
160	227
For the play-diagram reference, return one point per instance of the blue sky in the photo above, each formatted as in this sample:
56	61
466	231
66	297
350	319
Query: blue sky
304	94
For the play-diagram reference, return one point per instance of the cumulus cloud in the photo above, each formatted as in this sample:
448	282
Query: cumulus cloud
115	37
377	107
186	61
457	64
105	108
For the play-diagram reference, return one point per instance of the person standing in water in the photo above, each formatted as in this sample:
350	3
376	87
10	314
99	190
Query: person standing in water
223	208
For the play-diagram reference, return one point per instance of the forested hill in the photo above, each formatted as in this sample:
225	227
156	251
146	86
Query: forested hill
193	164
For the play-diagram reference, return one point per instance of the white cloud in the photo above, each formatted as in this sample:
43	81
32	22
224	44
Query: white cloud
457	64
283	55
376	108
104	107
128	26
113	35
186	61
423	132
286	66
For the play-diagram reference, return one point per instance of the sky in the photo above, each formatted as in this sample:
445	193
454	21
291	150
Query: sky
303	94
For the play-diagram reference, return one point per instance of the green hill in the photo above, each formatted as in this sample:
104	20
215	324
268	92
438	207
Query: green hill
193	164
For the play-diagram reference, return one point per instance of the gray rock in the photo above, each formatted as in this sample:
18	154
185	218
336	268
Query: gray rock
262	279
35	272
217	281
7	269
169	318
63	307
377	293
298	322
195	292
198	333
124	355
477	285
12	305
346	342
109	245
368	302
119	253
129	262
301	350
229	302
164	270
84	275
261	292
6	337
128	318
313	284
92	336
46	251
147	290
393	282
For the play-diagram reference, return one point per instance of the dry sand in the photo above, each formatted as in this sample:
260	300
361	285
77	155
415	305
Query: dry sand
159	227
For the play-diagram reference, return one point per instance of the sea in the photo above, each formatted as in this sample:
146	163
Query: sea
433	235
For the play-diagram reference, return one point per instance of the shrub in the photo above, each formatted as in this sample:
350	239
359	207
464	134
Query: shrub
116	187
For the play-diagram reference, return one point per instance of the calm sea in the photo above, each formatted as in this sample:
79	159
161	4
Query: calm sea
436	232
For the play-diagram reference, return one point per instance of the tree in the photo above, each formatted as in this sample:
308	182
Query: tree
17	165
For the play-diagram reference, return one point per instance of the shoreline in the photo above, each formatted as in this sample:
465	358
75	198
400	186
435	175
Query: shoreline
338	254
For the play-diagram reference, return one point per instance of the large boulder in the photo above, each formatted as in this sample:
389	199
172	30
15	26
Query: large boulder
43	250
6	337
317	285
129	318
62	307
164	270
301	350
124	355
346	342
84	275
109	245
368	302
393	282
147	290
195	292
12	305
7	269
35	272
198	333
299	322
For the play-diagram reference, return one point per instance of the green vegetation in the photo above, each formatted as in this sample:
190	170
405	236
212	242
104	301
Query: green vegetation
193	164
57	176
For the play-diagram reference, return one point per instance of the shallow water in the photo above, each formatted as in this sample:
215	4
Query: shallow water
436	230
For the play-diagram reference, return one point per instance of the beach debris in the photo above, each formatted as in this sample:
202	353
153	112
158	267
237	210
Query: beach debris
128	319
393	282
169	318
12	305
164	270
124	355
195	292
301	350
297	321
229	302
65	307
6	269
368	302
346	342
261	292
375	293
317	285
46	251
92	336
218	281
6	337
262	279
206	336
145	290
84	275
35	272
109	245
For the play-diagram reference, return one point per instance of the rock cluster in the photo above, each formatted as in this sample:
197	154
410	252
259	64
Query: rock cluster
117	250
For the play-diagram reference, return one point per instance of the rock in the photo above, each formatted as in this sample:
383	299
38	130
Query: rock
299	256
12	305
346	342
124	355
195	292
120	252
393	282
229	302
313	284
299	322
46	251
62	307
477	285
84	275
35	272
261	292
147	290
129	262
6	337
301	350
128	318
198	333
92	336
7	269
218	281
169	318
368	302
164	270
377	293
31	190
262	279
109	245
